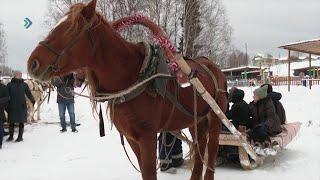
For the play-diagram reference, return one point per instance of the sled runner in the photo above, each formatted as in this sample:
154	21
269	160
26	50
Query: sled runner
280	141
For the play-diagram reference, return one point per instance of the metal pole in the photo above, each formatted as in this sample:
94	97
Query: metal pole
310	82
289	76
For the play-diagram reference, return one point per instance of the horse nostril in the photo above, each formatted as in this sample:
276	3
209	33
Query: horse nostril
35	65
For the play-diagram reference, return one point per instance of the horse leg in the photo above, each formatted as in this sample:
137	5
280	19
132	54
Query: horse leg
38	112
32	112
202	141
29	113
136	149
213	144
148	152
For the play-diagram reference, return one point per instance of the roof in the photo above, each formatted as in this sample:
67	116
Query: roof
252	72
242	68
310	46
307	68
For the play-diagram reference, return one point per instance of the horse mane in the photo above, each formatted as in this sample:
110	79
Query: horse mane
75	17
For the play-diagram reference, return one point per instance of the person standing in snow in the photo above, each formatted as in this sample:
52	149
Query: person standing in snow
4	99
17	107
65	100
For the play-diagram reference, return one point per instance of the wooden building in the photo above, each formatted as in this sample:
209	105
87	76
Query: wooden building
243	72
311	47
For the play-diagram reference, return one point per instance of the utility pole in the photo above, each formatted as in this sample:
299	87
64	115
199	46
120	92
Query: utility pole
247	61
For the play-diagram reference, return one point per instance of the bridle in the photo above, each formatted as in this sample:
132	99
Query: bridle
55	66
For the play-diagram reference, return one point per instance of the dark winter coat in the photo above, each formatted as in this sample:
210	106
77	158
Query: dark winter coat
17	107
240	111
65	86
4	99
275	96
278	105
264	116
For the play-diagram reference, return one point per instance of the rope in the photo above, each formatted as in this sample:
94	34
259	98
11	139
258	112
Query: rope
110	96
164	140
125	150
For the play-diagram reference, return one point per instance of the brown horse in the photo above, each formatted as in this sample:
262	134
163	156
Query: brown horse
86	40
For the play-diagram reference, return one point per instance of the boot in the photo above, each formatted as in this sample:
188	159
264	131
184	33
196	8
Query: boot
11	131
177	162
165	166
21	128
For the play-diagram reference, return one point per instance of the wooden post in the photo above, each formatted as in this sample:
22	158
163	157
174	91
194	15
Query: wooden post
289	76
310	84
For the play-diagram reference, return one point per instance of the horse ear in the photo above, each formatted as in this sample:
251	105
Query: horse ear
89	10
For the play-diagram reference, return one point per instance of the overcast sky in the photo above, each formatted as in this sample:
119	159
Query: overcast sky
266	24
262	24
21	41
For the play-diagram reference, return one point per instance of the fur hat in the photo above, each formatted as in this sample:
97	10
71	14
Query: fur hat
261	92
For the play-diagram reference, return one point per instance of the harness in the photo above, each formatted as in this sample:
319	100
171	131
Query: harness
153	79
55	66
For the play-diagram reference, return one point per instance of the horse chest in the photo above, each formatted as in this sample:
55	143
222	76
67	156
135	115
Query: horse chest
133	119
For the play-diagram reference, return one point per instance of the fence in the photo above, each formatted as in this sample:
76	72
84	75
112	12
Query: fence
278	81
275	81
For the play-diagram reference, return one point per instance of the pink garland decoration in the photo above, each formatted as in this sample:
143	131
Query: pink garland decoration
157	33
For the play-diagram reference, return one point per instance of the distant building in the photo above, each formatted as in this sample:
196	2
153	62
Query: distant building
243	72
264	60
305	71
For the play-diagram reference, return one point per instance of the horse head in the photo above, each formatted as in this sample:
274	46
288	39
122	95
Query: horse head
68	46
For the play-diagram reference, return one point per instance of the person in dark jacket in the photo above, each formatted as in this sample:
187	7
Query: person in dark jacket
240	116
4	99
240	111
65	100
276	97
170	151
265	121
17	107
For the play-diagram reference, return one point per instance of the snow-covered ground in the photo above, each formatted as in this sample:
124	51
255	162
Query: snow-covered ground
46	154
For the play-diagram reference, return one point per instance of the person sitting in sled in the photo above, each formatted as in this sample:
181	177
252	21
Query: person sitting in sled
240	111
239	114
276	97
265	121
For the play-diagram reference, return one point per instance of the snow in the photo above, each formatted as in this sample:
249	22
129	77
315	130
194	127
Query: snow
301	42
46	154
240	68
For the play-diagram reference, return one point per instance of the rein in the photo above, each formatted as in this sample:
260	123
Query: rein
121	94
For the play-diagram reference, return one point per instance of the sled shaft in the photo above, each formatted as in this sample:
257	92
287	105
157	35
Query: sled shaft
214	106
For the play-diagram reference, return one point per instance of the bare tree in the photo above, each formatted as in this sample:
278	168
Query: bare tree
215	38
198	27
5	70
3	46
237	58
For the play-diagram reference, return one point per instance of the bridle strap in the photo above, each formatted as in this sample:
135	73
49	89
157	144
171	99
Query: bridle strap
55	66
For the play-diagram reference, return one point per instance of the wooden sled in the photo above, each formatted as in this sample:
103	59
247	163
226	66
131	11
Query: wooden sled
228	139
289	131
